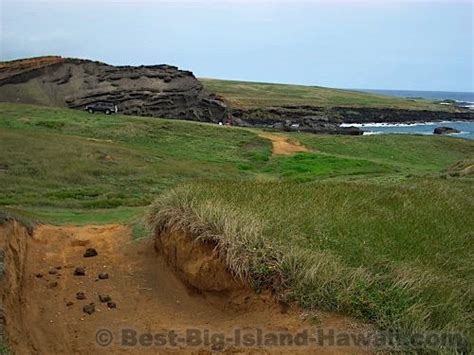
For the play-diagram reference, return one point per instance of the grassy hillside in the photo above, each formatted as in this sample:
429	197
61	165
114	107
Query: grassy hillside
396	254
58	158
252	94
370	226
71	159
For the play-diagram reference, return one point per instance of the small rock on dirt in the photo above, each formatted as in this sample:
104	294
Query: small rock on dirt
104	298
79	271
111	304
103	276
52	272
90	252
80	296
53	284
39	275
89	309
69	304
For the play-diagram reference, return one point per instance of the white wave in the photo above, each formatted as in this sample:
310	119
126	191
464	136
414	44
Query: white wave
370	133
384	124
460	133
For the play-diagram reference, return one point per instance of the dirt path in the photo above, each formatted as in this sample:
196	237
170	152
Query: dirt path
281	145
148	296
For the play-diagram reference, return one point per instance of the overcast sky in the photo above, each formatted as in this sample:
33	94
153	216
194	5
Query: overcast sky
404	44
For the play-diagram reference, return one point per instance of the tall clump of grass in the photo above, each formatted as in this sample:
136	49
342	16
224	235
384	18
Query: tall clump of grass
395	296
241	245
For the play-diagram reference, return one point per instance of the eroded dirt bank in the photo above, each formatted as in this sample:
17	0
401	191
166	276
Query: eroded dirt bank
44	316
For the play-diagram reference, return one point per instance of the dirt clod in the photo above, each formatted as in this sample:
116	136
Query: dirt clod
104	298
90	252
79	271
80	296
89	309
103	276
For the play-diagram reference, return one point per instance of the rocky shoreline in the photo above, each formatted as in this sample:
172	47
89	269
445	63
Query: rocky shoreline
328	120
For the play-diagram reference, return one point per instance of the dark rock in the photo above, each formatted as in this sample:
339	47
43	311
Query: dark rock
80	296
53	272
104	298
39	275
89	309
445	130
69	304
79	271
59	267
111	304
103	276
327	120
90	252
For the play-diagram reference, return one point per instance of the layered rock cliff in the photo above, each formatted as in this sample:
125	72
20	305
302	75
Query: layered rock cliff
157	90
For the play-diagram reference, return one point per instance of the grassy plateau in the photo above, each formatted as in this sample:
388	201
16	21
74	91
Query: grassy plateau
246	94
376	227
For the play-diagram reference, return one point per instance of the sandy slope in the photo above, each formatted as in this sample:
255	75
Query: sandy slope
148	295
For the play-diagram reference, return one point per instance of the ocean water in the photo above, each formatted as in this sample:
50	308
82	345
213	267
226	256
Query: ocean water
466	128
465	99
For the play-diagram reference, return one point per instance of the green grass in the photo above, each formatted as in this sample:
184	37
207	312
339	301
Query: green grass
398	255
377	227
4	350
125	215
87	161
307	166
66	166
252	95
415	154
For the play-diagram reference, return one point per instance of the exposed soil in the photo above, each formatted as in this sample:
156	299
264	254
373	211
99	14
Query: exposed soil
141	292
282	146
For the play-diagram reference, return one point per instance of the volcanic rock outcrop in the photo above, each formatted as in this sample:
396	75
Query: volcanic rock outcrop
155	90
445	130
327	119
